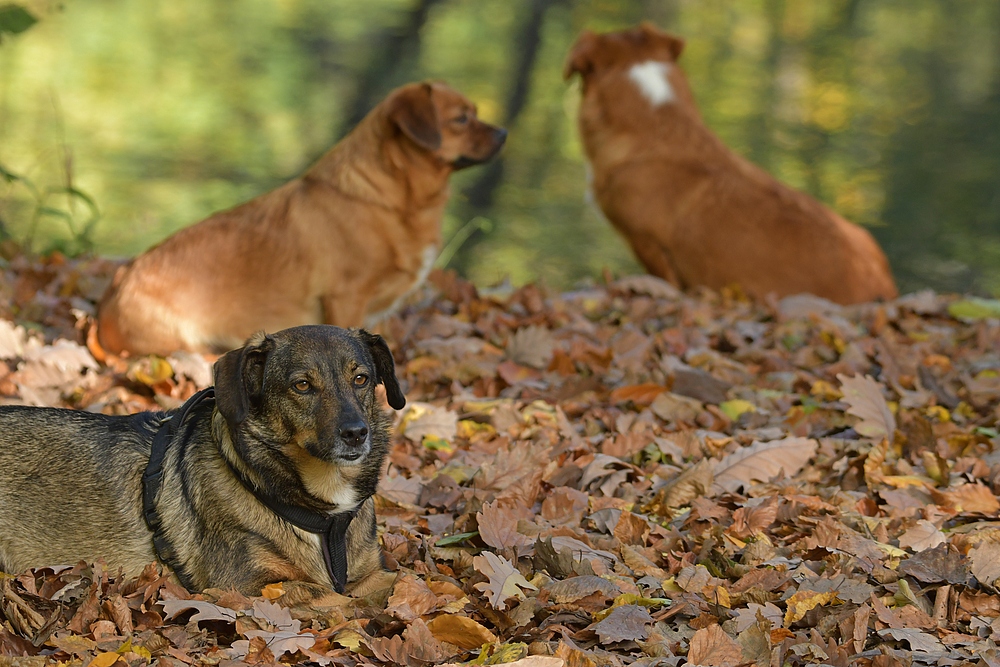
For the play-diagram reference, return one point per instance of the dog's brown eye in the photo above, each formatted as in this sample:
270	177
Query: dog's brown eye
302	386
360	380
461	120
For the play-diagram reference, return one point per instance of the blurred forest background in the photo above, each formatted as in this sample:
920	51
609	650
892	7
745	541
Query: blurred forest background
160	112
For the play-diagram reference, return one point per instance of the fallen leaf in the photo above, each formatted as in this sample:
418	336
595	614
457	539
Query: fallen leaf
461	631
864	396
923	535
712	647
504	579
986	562
498	527
206	610
802	601
624	623
424	419
532	346
411	598
941	563
762	461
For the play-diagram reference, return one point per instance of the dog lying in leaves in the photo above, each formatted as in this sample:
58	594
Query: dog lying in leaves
268	477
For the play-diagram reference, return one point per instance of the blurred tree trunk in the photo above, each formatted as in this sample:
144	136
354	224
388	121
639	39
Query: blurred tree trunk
480	195
395	51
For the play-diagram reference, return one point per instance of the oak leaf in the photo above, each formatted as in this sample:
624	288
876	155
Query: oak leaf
498	527
504	579
461	631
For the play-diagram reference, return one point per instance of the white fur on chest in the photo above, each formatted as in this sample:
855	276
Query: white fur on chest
650	77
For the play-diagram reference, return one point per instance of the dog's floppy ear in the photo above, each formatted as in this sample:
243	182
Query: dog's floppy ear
239	378
414	113
385	368
581	57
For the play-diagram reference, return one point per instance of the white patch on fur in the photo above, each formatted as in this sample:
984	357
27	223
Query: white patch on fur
651	79
428	257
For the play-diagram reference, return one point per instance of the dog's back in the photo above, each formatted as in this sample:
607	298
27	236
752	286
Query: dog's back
67	473
695	212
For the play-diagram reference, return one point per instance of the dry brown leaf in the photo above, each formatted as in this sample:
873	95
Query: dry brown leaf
864	395
923	535
712	647
762	461
498	527
576	588
627	622
975	498
411	598
461	631
532	346
986	562
425	419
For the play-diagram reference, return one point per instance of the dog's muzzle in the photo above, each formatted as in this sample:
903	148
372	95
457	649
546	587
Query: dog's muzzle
352	442
463	161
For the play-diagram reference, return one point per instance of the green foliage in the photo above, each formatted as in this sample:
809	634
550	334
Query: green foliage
889	112
15	19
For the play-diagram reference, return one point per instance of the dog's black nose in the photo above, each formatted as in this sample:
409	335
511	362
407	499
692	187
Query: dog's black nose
500	135
354	433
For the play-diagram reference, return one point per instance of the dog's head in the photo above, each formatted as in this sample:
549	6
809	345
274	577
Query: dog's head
442	122
301	400
595	52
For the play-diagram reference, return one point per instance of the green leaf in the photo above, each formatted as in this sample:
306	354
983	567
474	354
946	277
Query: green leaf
974	308
15	19
455	539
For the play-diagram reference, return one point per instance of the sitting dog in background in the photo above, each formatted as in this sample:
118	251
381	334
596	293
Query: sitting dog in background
694	212
342	244
269	480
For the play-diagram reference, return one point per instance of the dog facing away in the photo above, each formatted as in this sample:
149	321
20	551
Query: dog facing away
694	212
294	434
342	244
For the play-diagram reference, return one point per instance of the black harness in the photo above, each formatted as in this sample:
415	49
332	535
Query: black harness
332	527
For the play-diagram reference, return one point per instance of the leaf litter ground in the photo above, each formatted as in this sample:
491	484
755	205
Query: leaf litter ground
617	475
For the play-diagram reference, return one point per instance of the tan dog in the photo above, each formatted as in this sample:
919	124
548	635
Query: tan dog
341	244
694	212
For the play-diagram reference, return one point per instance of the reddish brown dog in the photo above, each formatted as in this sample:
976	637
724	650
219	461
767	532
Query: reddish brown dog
694	212
341	244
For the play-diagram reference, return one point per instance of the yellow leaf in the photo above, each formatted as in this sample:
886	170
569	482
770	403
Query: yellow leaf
273	591
105	659
939	413
159	370
733	409
670	586
891	551
467	428
873	463
803	601
825	391
349	639
438	444
904	481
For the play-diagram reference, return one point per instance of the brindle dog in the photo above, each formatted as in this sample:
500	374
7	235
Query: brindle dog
269	480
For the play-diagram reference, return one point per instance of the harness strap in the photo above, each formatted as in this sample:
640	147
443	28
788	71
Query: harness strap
332	527
153	476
